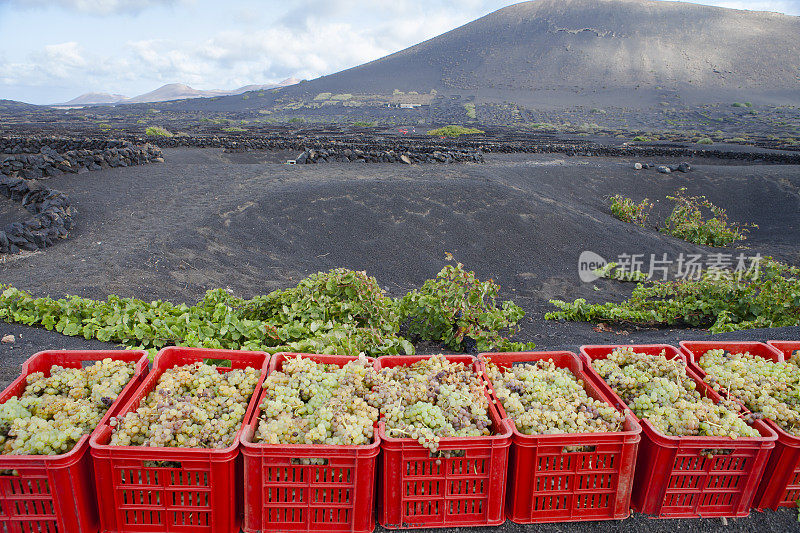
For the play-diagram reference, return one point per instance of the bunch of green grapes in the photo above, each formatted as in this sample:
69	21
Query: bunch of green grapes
767	388
316	403
658	389
55	411
795	358
542	398
192	406
430	400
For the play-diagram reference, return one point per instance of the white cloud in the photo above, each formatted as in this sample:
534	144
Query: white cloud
241	57
94	7
57	63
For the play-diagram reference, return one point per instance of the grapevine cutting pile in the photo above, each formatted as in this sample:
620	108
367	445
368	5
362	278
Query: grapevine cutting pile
430	400
658	389
193	406
55	411
542	398
767	388
316	403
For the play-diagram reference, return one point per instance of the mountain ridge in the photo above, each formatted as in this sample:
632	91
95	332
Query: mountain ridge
590	46
171	91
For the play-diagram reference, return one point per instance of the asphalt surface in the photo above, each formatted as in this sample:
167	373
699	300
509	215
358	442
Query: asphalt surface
205	219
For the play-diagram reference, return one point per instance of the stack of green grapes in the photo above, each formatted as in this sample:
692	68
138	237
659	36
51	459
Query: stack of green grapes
658	389
54	412
767	388
193	406
542	398
430	400
316	403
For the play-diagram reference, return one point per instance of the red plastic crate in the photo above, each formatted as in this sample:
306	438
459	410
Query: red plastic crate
418	489
780	484
202	493
547	483
282	495
685	477
56	492
787	348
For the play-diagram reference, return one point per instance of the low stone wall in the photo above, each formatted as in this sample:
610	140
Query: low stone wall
51	220
512	143
49	162
388	156
34	145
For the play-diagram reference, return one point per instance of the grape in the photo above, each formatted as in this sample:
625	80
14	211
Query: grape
658	389
542	398
192	406
767	388
795	358
316	403
54	412
430	400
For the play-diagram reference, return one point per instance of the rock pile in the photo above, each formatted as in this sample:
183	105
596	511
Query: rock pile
51	220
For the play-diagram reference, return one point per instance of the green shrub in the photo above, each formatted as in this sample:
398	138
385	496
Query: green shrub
687	222
641	139
361	124
461	312
470	109
245	97
157	131
454	131
727	300
337	312
705	140
627	210
234	129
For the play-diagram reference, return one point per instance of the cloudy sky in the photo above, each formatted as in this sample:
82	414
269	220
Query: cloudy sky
54	50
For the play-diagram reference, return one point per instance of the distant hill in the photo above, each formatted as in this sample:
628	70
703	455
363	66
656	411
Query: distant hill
171	91
95	98
14	106
618	50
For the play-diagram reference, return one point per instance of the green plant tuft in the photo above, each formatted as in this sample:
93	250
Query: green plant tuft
157	131
686	221
454	131
721	301
461	312
627	210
